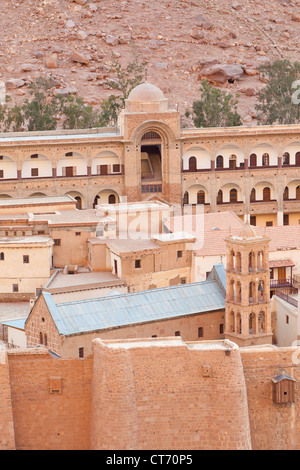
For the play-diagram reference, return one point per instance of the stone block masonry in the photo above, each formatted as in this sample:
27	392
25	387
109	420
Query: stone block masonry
147	394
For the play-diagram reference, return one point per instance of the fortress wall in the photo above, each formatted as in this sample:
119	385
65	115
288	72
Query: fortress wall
44	420
7	439
164	394
273	426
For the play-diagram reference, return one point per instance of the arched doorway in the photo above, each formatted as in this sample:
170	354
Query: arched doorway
151	158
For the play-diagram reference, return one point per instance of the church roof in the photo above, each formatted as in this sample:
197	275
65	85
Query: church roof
135	308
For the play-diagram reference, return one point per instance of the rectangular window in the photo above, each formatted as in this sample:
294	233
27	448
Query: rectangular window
179	254
200	332
15	287
81	352
34	172
137	263
116	168
26	259
177	333
269	224
183	280
77	234
57	242
253	220
287	319
285	219
1	173
221	329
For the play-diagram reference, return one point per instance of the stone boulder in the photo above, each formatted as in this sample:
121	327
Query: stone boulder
222	73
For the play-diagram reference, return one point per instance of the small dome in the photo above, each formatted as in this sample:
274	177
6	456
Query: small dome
247	231
146	92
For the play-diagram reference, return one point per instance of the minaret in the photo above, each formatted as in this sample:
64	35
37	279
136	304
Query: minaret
247	303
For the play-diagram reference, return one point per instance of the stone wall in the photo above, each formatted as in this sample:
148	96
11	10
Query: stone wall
149	394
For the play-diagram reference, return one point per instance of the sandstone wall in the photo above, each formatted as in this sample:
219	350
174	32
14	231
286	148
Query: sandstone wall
7	438
273	426
162	394
51	401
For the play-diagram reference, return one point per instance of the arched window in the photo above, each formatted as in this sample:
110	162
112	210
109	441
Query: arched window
78	203
185	198
111	199
220	197
286	194
220	161
45	340
239	324
251	262
233	195
232	322
192	164
201	197
266	159
41	338
2	257
261	322
252	324
298	193
238	292
286	158
253	195
253	160
297	159
238	265
232	162
266	194
251	292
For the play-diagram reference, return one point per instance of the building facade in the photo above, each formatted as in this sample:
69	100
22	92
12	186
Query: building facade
253	171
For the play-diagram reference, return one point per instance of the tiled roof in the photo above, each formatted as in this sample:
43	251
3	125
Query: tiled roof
281	263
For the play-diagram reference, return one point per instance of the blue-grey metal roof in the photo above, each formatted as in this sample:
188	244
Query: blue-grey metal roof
20	323
132	308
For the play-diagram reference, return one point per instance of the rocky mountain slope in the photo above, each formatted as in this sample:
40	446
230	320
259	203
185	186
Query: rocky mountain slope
181	41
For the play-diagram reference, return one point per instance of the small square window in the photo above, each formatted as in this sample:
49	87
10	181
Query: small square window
26	259
57	242
137	263
177	333
34	172
179	254
183	280
15	287
77	234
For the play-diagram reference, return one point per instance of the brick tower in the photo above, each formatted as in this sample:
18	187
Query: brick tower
247	304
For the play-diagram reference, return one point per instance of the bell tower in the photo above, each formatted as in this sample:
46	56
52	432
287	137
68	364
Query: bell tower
247	303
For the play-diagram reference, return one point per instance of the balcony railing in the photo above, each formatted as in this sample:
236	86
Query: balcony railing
287	298
276	283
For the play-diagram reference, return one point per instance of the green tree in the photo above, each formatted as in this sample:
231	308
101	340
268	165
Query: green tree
216	108
278	101
79	115
127	77
109	110
14	119
40	113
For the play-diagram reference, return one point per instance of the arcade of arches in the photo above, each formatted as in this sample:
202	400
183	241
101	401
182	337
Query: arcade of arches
254	172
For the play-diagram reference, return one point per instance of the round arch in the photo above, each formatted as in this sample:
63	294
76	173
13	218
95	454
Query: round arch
197	194
106	196
106	162
233	156
80	201
37	166
8	168
202	156
71	164
266	154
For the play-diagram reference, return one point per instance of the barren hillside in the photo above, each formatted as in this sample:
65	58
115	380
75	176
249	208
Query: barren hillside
180	40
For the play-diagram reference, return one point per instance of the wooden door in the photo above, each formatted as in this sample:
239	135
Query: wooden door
281	274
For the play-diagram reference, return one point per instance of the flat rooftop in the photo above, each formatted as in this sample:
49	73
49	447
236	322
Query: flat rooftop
36	201
62	281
